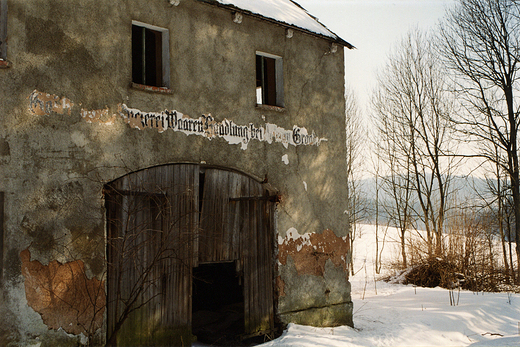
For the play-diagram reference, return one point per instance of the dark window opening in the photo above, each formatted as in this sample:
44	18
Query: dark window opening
218	304
147	56
3	29
269	81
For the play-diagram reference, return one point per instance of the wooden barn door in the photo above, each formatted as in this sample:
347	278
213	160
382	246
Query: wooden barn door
255	211
236	225
152	223
162	222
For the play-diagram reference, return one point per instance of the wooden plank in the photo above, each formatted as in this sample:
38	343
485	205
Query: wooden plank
112	258
246	254
219	241
193	183
244	248
175	307
252	269
204	215
196	177
171	272
271	259
233	219
214	246
258	260
267	264
261	265
248	295
191	212
222	244
226	249
215	234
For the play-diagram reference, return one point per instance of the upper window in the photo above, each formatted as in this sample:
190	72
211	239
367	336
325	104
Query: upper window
3	29
150	55
269	80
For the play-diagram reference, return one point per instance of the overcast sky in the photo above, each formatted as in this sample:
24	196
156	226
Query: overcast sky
373	27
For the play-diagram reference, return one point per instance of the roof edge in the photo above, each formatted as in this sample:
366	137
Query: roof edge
338	40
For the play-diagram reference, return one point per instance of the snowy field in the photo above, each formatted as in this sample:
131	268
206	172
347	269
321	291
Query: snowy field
397	315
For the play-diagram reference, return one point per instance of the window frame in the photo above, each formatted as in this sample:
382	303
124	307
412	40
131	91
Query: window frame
165	55
278	83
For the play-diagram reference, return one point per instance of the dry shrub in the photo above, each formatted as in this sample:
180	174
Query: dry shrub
469	259
434	273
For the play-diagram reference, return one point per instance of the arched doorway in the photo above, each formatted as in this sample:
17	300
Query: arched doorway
176	235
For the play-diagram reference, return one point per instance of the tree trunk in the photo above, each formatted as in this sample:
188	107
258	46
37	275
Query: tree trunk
516	201
403	247
514	170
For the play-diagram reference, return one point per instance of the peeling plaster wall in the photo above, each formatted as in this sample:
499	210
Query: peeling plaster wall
63	295
310	252
63	135
313	280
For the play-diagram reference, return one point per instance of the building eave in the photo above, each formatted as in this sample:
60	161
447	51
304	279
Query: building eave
334	39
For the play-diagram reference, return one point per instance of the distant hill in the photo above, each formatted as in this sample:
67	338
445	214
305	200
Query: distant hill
465	190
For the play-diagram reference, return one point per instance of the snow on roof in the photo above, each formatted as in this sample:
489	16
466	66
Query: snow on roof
285	11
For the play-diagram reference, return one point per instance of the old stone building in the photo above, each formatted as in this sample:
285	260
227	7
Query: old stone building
170	170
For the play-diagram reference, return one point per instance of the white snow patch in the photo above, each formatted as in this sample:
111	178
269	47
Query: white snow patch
305	185
388	314
285	159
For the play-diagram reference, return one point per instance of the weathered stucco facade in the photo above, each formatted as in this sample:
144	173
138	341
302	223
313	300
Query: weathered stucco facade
72	121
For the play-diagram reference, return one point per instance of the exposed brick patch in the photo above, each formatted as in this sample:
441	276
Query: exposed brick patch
270	108
4	64
63	295
280	286
310	252
152	89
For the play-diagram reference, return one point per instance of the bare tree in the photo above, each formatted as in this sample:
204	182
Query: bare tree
397	183
412	104
495	201
376	172
355	134
480	41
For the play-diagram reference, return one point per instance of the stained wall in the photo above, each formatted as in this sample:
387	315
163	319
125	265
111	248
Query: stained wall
72	121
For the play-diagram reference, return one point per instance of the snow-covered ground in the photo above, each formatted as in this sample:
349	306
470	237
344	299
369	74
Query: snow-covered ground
397	315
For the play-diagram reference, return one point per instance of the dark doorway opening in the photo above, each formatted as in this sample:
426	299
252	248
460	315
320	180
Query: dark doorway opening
218	304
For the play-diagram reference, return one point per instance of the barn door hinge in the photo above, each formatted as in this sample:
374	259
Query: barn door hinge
271	198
